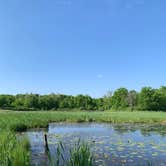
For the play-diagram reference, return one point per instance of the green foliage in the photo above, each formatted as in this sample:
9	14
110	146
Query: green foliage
47	102
79	155
31	101
13	152
132	99
18	127
20	121
121	99
162	93
152	99
6	100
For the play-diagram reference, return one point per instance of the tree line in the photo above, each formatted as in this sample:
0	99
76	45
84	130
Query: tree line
122	99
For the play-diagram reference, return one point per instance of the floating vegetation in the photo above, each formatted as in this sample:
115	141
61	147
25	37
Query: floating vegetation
110	147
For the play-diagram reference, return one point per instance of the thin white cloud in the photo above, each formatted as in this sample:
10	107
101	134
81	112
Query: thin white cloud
100	76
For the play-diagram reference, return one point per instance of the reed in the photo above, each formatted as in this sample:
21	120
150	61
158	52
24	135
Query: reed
13	151
78	155
21	121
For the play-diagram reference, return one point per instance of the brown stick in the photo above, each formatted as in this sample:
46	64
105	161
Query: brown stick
46	142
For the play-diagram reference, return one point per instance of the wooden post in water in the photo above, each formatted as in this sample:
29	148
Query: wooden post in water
46	142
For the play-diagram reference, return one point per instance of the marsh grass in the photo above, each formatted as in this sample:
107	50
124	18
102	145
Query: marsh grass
78	155
13	151
21	121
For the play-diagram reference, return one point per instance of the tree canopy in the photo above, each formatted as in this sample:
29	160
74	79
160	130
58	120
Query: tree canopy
147	99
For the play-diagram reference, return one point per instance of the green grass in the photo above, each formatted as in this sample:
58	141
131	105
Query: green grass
20	121
78	155
13	151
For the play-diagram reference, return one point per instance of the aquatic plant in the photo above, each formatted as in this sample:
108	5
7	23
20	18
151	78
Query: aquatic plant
78	155
13	151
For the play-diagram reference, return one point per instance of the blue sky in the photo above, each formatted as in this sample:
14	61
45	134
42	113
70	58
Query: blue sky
81	46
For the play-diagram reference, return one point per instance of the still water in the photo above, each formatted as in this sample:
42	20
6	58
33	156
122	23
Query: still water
111	144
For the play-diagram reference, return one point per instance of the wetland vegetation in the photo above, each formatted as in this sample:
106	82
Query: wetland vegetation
23	112
13	151
147	124
21	121
82	83
110	144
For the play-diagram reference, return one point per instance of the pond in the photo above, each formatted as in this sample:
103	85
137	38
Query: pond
111	144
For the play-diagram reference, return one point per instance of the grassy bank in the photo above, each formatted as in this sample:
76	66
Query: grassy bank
20	121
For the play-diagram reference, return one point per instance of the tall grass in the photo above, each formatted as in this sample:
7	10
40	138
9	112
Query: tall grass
13	151
20	121
78	155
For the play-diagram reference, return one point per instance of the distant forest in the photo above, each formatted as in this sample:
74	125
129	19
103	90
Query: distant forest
122	99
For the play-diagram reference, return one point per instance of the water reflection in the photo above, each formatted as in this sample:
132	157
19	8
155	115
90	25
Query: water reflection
111	144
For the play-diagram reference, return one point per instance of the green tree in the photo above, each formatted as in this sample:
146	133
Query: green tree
119	99
18	103
162	93
84	102
31	101
132	99
47	102
99	104
6	100
149	99
107	100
